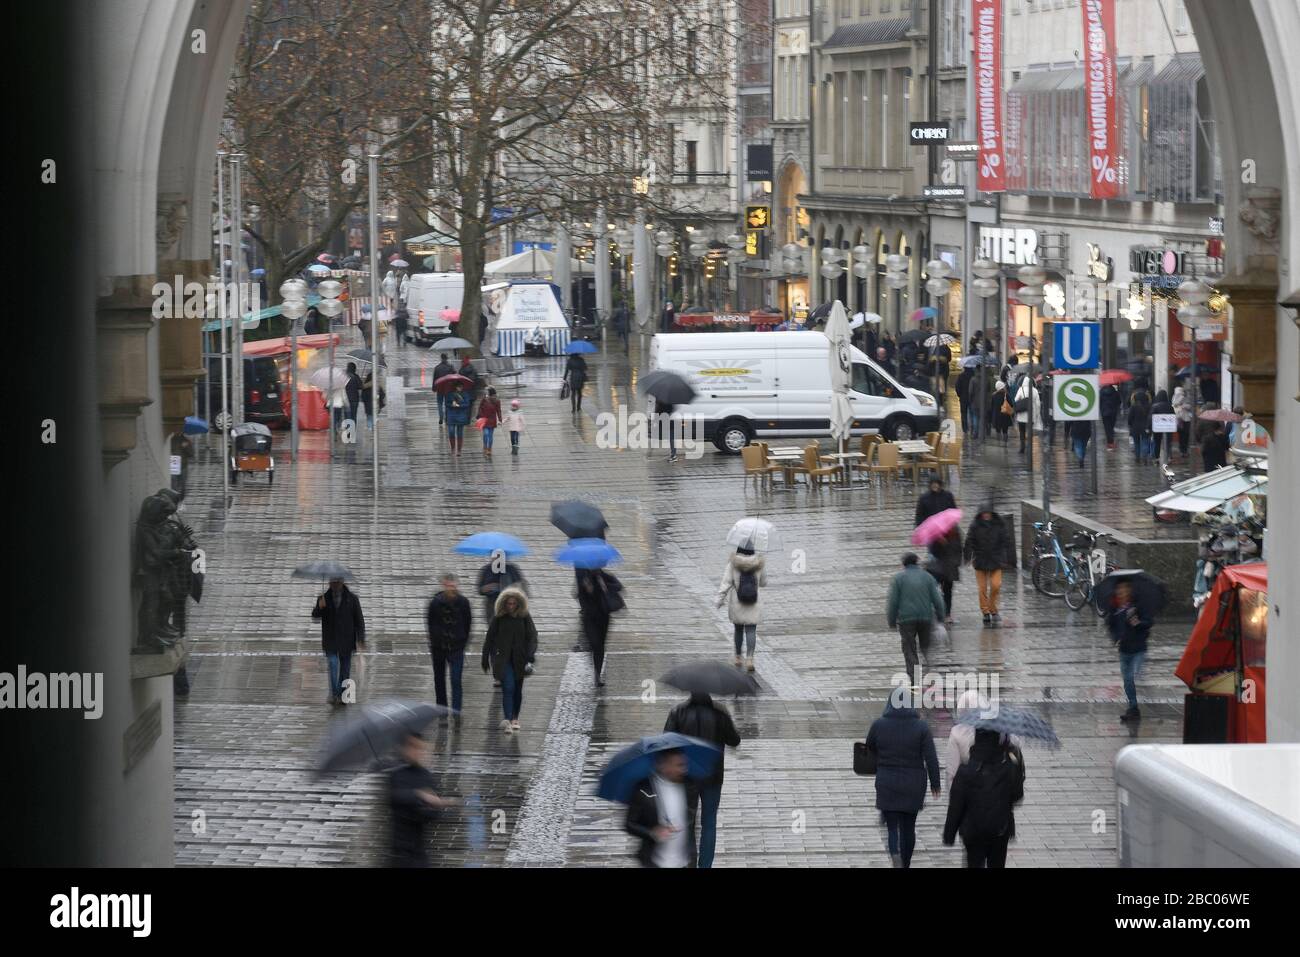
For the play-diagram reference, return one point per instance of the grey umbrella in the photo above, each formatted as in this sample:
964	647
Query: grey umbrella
668	387
453	343
1017	721
324	569
363	741
710	677
578	519
365	357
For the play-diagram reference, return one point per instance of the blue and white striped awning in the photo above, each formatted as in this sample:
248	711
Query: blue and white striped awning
510	342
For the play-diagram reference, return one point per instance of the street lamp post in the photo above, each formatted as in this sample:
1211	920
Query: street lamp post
938	285
1031	294
985	286
293	294
896	279
223	317
831	269
1194	314
237	258
664	240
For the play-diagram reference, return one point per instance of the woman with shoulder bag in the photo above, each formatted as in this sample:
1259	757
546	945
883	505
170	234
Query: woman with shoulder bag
905	758
598	597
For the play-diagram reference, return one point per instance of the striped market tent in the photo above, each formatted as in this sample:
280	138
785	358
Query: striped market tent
511	342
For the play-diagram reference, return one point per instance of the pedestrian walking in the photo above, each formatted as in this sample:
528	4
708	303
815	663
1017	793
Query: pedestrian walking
981	802
667	317
458	405
1160	406
937	499
905	758
699	717
448	620
1109	402
742	580
342	632
413	801
883	360
1139	422
509	651
987	547
489	417
594	589
352	389
945	567
1214	448
913	604
1129	629
494	578
664	419
1002	412
1027	396
441	369
659	813
401	322
965	398
620	322
1080	434
1182	402
368	397
962	736
514	423
575	374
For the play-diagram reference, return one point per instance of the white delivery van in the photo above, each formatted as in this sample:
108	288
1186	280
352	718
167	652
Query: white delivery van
427	295
775	384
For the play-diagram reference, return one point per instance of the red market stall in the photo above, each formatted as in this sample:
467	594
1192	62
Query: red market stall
723	321
312	413
1223	662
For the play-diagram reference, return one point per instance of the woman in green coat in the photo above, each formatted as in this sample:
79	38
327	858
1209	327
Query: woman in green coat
510	650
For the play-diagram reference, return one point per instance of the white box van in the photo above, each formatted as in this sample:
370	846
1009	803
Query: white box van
427	295
772	384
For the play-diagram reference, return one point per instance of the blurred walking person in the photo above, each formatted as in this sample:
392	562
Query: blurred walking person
905	758
1080	434
1139	422
441	369
659	814
342	632
981	804
937	499
1109	402
509	651
913	604
514	424
575	373
413	800
945	567
742	579
987	546
699	717
595	588
1161	406
458	406
1129	629
448	620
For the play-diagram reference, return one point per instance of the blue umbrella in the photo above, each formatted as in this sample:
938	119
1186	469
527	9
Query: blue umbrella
1017	721
488	543
257	274
636	762
196	426
579	345
588	553
318	269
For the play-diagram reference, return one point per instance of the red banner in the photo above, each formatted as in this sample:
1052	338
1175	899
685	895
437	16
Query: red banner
1099	89
986	60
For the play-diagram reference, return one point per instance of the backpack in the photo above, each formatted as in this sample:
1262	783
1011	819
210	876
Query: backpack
988	813
747	588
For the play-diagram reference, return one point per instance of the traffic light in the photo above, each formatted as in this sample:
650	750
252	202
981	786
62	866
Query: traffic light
758	217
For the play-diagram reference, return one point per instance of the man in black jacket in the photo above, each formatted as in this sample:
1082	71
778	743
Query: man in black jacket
412	800
987	547
980	805
937	500
448	620
342	631
441	369
659	813
699	717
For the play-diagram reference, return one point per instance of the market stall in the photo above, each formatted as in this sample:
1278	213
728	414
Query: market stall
726	321
311	407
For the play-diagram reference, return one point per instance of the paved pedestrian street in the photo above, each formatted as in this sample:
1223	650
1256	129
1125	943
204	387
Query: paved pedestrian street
247	735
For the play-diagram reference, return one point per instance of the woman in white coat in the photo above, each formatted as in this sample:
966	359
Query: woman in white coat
962	736
741	581
1025	391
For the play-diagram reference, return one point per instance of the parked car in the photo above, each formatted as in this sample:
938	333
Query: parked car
262	392
427	295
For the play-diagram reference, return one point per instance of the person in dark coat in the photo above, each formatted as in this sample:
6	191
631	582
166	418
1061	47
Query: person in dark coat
883	360
1139	422
905	757
1129	629
459	401
945	566
987	547
368	397
1109	402
619	321
441	369
1214	448
493	579
981	803
593	587
964	397
1080	435
402	322
352	389
667	317
342	632
575	373
890	346
413	801
448	620
510	650
659	813
937	499
1161	406
664	423
700	718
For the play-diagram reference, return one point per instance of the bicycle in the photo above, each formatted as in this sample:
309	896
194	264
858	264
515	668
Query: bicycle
1070	576
1049	562
1089	565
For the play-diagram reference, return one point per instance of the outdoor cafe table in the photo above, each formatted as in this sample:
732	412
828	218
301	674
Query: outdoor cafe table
846	465
914	447
787	459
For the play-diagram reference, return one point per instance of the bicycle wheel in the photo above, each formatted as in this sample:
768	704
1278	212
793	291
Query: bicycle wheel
1097	606
1077	594
1049	577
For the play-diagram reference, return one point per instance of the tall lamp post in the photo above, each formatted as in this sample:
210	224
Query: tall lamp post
938	285
664	240
896	279
1031	294
985	286
831	269
293	296
1194	314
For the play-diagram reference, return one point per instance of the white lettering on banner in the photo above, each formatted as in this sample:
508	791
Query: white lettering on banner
1100	82
1011	247
1164	423
988	94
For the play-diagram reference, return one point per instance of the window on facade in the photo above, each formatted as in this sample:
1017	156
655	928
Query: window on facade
853	108
692	160
690	51
799	103
839	114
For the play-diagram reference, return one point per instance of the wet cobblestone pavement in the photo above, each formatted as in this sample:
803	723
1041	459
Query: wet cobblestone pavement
247	734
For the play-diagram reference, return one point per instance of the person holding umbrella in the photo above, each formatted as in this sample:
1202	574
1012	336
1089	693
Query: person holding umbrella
509	651
443	368
742	579
458	406
937	499
669	390
575	374
413	800
700	718
945	564
982	800
905	757
342	632
1129	628
598	595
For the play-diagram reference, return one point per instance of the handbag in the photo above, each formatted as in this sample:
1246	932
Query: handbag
1007	408
611	593
564	390
864	758
1022	404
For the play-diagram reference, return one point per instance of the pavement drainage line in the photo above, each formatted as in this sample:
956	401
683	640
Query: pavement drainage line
541	831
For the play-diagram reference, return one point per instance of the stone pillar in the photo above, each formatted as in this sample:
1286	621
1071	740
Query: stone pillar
124	318
180	348
1253	294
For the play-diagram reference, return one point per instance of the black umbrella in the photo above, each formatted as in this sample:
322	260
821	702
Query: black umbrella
913	335
364	740
324	569
821	312
668	387
1149	592
1018	721
710	677
365	357
578	519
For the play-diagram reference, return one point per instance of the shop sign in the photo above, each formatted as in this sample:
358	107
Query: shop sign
1154	261
929	133
1010	247
944	192
1100	267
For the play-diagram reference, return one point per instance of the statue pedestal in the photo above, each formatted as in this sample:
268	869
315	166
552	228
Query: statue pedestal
146	664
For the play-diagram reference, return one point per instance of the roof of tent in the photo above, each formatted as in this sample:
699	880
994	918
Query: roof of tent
530	305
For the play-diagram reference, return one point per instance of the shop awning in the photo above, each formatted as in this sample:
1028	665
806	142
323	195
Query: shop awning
281	346
1210	491
869	33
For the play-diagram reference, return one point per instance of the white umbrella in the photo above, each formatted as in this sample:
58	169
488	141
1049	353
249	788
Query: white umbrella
861	318
841	372
756	533
328	380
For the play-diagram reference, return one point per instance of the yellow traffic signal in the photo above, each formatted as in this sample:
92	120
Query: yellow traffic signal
758	217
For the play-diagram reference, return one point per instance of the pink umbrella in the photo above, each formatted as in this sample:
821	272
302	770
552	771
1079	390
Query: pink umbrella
1220	415
449	315
936	526
325	258
1115	376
